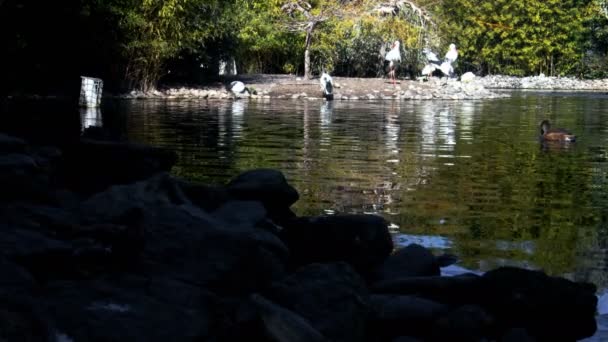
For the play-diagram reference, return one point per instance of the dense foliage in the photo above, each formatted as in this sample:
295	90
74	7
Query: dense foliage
136	43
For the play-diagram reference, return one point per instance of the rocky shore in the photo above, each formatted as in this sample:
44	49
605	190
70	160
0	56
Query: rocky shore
291	87
100	243
263	87
542	82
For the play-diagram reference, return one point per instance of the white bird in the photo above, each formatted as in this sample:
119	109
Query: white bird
327	85
446	68
428	70
394	58
237	87
452	54
431	57
433	63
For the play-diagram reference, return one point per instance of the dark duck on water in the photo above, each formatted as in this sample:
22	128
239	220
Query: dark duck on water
555	134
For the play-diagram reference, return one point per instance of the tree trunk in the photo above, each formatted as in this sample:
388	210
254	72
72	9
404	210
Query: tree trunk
307	71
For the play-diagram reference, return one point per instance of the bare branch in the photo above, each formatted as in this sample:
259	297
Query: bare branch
394	7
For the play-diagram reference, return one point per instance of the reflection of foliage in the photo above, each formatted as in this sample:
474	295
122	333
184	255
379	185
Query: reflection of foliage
506	189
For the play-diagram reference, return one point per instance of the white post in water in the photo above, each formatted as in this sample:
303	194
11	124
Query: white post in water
90	92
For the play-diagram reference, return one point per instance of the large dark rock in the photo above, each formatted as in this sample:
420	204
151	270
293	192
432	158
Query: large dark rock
267	186
207	197
14	278
412	261
21	178
102	311
458	290
22	320
284	325
395	315
10	144
332	297
220	250
465	323
549	308
361	240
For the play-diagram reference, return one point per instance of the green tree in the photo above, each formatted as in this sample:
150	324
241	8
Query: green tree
515	36
154	31
262	45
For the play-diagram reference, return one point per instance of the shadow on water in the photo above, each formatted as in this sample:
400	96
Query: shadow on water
470	177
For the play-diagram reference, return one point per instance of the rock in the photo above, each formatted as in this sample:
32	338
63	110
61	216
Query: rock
283	324
100	311
465	323
241	213
332	297
549	308
394	315
21	320
114	203
405	339
186	243
413	261
15	277
361	240
457	290
206	197
10	144
516	335
267	186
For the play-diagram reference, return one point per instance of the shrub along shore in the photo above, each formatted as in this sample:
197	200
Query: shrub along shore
100	243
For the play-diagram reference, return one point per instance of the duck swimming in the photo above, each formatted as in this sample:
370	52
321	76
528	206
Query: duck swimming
555	134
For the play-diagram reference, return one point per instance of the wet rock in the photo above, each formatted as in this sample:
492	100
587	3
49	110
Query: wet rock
549	308
413	261
99	311
21	320
394	315
241	213
465	323
267	186
189	244
361	240
284	325
405	339
457	290
114	203
207	197
516	335
10	144
332	297
14	277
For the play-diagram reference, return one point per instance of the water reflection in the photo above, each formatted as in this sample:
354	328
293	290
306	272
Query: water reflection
469	172
90	116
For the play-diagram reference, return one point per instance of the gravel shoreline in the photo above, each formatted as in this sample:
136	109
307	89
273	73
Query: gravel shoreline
346	88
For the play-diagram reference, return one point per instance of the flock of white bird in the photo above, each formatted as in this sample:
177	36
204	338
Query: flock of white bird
433	63
393	57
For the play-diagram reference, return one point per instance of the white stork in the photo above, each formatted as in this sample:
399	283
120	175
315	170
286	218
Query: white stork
452	55
394	58
432	63
431	57
327	85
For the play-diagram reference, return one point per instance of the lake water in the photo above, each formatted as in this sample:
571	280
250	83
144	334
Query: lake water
467	177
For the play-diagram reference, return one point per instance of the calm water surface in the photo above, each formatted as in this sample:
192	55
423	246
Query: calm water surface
468	177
